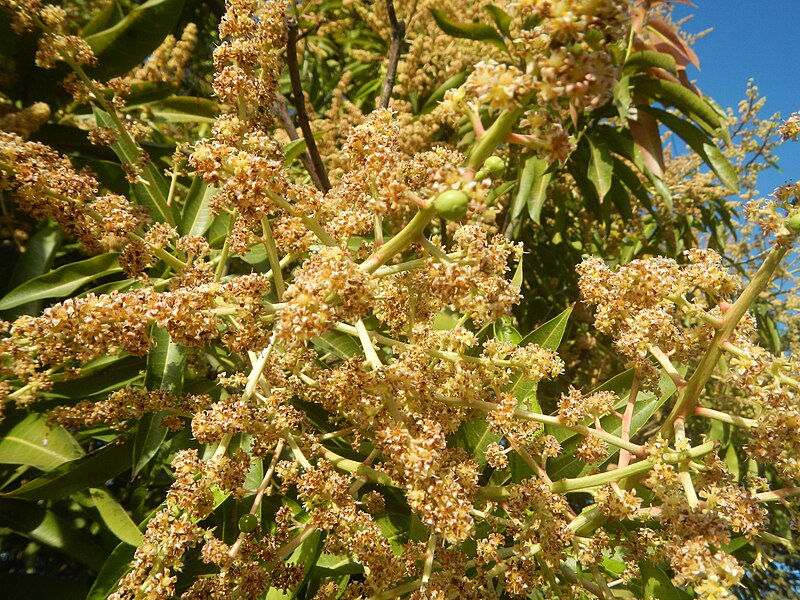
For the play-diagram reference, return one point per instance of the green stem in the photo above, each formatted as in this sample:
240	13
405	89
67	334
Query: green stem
272	256
493	137
690	395
407	236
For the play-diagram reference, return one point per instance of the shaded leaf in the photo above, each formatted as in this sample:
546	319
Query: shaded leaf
601	167
114	568
40	587
686	101
45	527
40	251
63	281
532	191
657	585
115	517
34	443
124	45
92	470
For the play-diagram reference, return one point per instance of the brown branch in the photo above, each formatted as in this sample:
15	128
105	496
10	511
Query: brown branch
398	35
300	107
282	112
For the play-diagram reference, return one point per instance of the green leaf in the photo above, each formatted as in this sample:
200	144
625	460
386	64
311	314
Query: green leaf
601	166
114	568
166	363
63	281
92	470
102	19
532	191
436	97
500	17
686	101
505	332
196	216
151	191
293	149
150	436
549	335
657	585
115	517
47	528
701	143
124	45
337	343
40	251
474	437
34	443
470	31
647	403
648	59
186	109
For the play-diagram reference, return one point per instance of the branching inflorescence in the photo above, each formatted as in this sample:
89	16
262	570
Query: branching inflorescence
365	373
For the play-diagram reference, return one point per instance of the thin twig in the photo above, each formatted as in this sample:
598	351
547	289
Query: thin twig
398	35
282	112
300	104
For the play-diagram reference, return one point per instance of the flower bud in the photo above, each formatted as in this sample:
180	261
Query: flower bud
793	221
451	204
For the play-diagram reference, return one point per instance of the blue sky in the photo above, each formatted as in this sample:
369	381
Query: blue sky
758	39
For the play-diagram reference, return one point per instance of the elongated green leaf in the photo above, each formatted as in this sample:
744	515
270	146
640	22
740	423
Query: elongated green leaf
601	166
470	31
549	334
40	251
108	376
166	363
102	19
647	403
657	585
92	470
196	216
124	45
338	343
686	101
293	149
63	281
532	191
649	59
701	143
436	97
500	17
150	436
34	443
151	191
474	437
45	527
115	517
114	568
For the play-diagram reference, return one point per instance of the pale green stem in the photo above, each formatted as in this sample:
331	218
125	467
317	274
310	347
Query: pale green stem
298	452
690	395
427	567
272	256
257	370
723	417
493	137
223	259
310	222
684	476
667	365
404	238
779	494
357	468
627	419
413	265
434	250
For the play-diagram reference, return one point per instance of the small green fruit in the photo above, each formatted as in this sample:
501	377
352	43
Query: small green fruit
494	165
793	222
248	523
452	204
